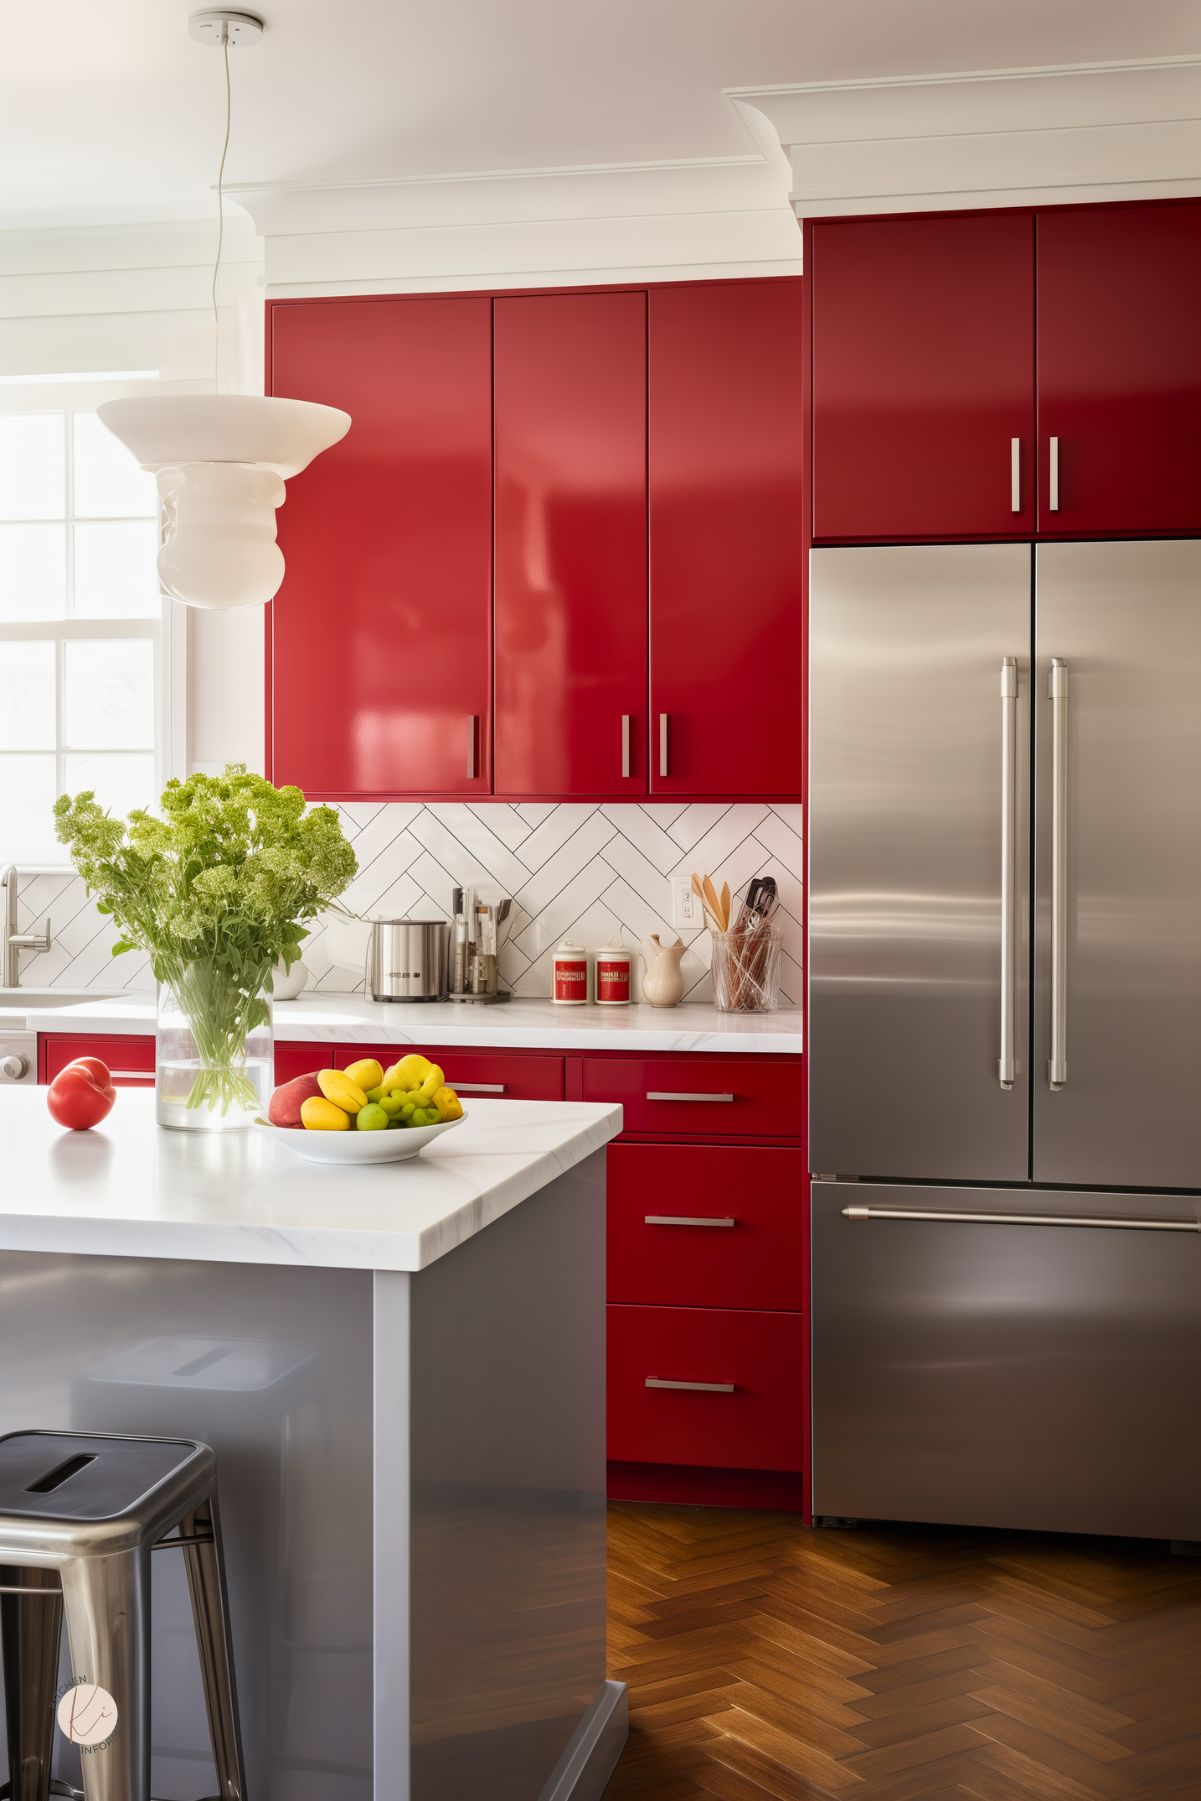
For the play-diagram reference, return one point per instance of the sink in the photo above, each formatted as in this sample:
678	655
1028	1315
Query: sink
22	999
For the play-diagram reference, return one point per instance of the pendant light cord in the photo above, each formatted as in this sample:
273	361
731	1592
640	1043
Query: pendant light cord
221	212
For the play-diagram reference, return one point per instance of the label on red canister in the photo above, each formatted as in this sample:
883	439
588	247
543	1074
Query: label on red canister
569	983
612	979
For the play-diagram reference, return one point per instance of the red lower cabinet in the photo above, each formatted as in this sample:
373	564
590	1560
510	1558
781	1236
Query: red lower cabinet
707	1387
130	1060
706	1226
490	1075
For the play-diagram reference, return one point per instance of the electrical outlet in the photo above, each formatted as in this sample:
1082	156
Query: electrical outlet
687	914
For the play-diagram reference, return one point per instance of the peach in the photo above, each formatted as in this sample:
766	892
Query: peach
289	1097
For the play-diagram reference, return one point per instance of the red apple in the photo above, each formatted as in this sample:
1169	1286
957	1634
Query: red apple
81	1094
289	1097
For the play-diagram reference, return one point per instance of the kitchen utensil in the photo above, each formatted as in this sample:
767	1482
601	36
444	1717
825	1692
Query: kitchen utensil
725	906
396	1144
407	959
698	888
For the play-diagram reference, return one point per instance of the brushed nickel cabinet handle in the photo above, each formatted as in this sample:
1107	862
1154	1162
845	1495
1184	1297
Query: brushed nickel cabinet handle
1006	1064
132	1075
475	1087
1053	474
472	756
663	744
625	744
1023	1219
1057	1064
708	1388
1015	475
684	1219
666	1094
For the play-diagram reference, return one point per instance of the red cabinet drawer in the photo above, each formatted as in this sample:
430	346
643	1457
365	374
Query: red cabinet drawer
750	1415
293	1060
662	1251
130	1060
490	1074
734	1097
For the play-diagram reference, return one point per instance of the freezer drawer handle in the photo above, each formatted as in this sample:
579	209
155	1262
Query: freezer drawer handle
707	1388
664	1094
1006	1065
1024	1219
1057	1065
684	1219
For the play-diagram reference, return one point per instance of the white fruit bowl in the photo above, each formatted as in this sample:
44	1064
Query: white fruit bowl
392	1144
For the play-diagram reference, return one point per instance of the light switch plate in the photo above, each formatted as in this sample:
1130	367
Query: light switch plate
687	914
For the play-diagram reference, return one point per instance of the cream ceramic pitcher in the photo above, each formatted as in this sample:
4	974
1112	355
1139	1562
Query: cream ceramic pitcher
663	983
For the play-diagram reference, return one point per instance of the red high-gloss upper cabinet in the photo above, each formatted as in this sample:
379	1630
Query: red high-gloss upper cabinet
923	377
570	488
726	548
381	633
1119	369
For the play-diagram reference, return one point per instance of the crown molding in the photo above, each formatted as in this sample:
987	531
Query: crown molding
989	137
629	221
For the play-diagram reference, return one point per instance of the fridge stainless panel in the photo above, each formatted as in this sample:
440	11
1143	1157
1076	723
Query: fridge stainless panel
1041	1377
907	797
1124	620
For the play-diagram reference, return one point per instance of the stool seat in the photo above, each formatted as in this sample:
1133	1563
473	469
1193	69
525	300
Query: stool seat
77	1477
80	1515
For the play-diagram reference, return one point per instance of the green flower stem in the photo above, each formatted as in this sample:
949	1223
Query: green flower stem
221	1015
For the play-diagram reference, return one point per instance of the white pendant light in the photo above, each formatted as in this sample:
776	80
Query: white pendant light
221	460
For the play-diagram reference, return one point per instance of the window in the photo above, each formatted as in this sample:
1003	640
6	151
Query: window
84	631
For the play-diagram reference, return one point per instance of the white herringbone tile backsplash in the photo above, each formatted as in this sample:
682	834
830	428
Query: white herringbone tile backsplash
599	875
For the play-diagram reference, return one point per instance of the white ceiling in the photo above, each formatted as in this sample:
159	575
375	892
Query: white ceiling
110	113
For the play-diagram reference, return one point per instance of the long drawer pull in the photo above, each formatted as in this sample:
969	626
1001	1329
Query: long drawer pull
475	1087
131	1075
707	1388
1024	1219
665	1094
684	1219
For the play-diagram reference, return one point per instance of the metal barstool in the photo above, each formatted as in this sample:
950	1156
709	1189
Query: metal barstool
79	1517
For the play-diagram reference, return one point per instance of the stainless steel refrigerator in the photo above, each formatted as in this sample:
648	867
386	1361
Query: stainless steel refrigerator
1005	1034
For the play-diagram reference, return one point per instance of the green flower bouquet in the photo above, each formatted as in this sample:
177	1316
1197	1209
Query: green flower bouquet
216	891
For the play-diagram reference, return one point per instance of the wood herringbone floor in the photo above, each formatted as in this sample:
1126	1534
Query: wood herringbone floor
909	1664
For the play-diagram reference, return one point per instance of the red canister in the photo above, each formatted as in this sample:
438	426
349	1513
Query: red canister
569	978
613	976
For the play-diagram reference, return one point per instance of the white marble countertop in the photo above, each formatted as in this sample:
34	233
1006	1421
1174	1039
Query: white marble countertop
523	1024
129	1188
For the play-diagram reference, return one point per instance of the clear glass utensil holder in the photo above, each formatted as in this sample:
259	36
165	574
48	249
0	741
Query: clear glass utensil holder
746	970
214	1053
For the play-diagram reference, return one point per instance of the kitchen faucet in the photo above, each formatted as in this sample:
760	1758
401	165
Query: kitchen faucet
15	942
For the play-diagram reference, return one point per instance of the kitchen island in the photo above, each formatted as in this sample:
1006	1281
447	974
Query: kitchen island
401	1368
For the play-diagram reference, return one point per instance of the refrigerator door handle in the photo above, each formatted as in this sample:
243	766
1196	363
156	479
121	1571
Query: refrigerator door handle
1057	1065
1023	1219
1006	1065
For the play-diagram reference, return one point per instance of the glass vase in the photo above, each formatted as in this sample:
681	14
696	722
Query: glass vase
214	1062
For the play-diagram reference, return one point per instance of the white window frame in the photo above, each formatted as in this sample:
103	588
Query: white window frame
168	631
